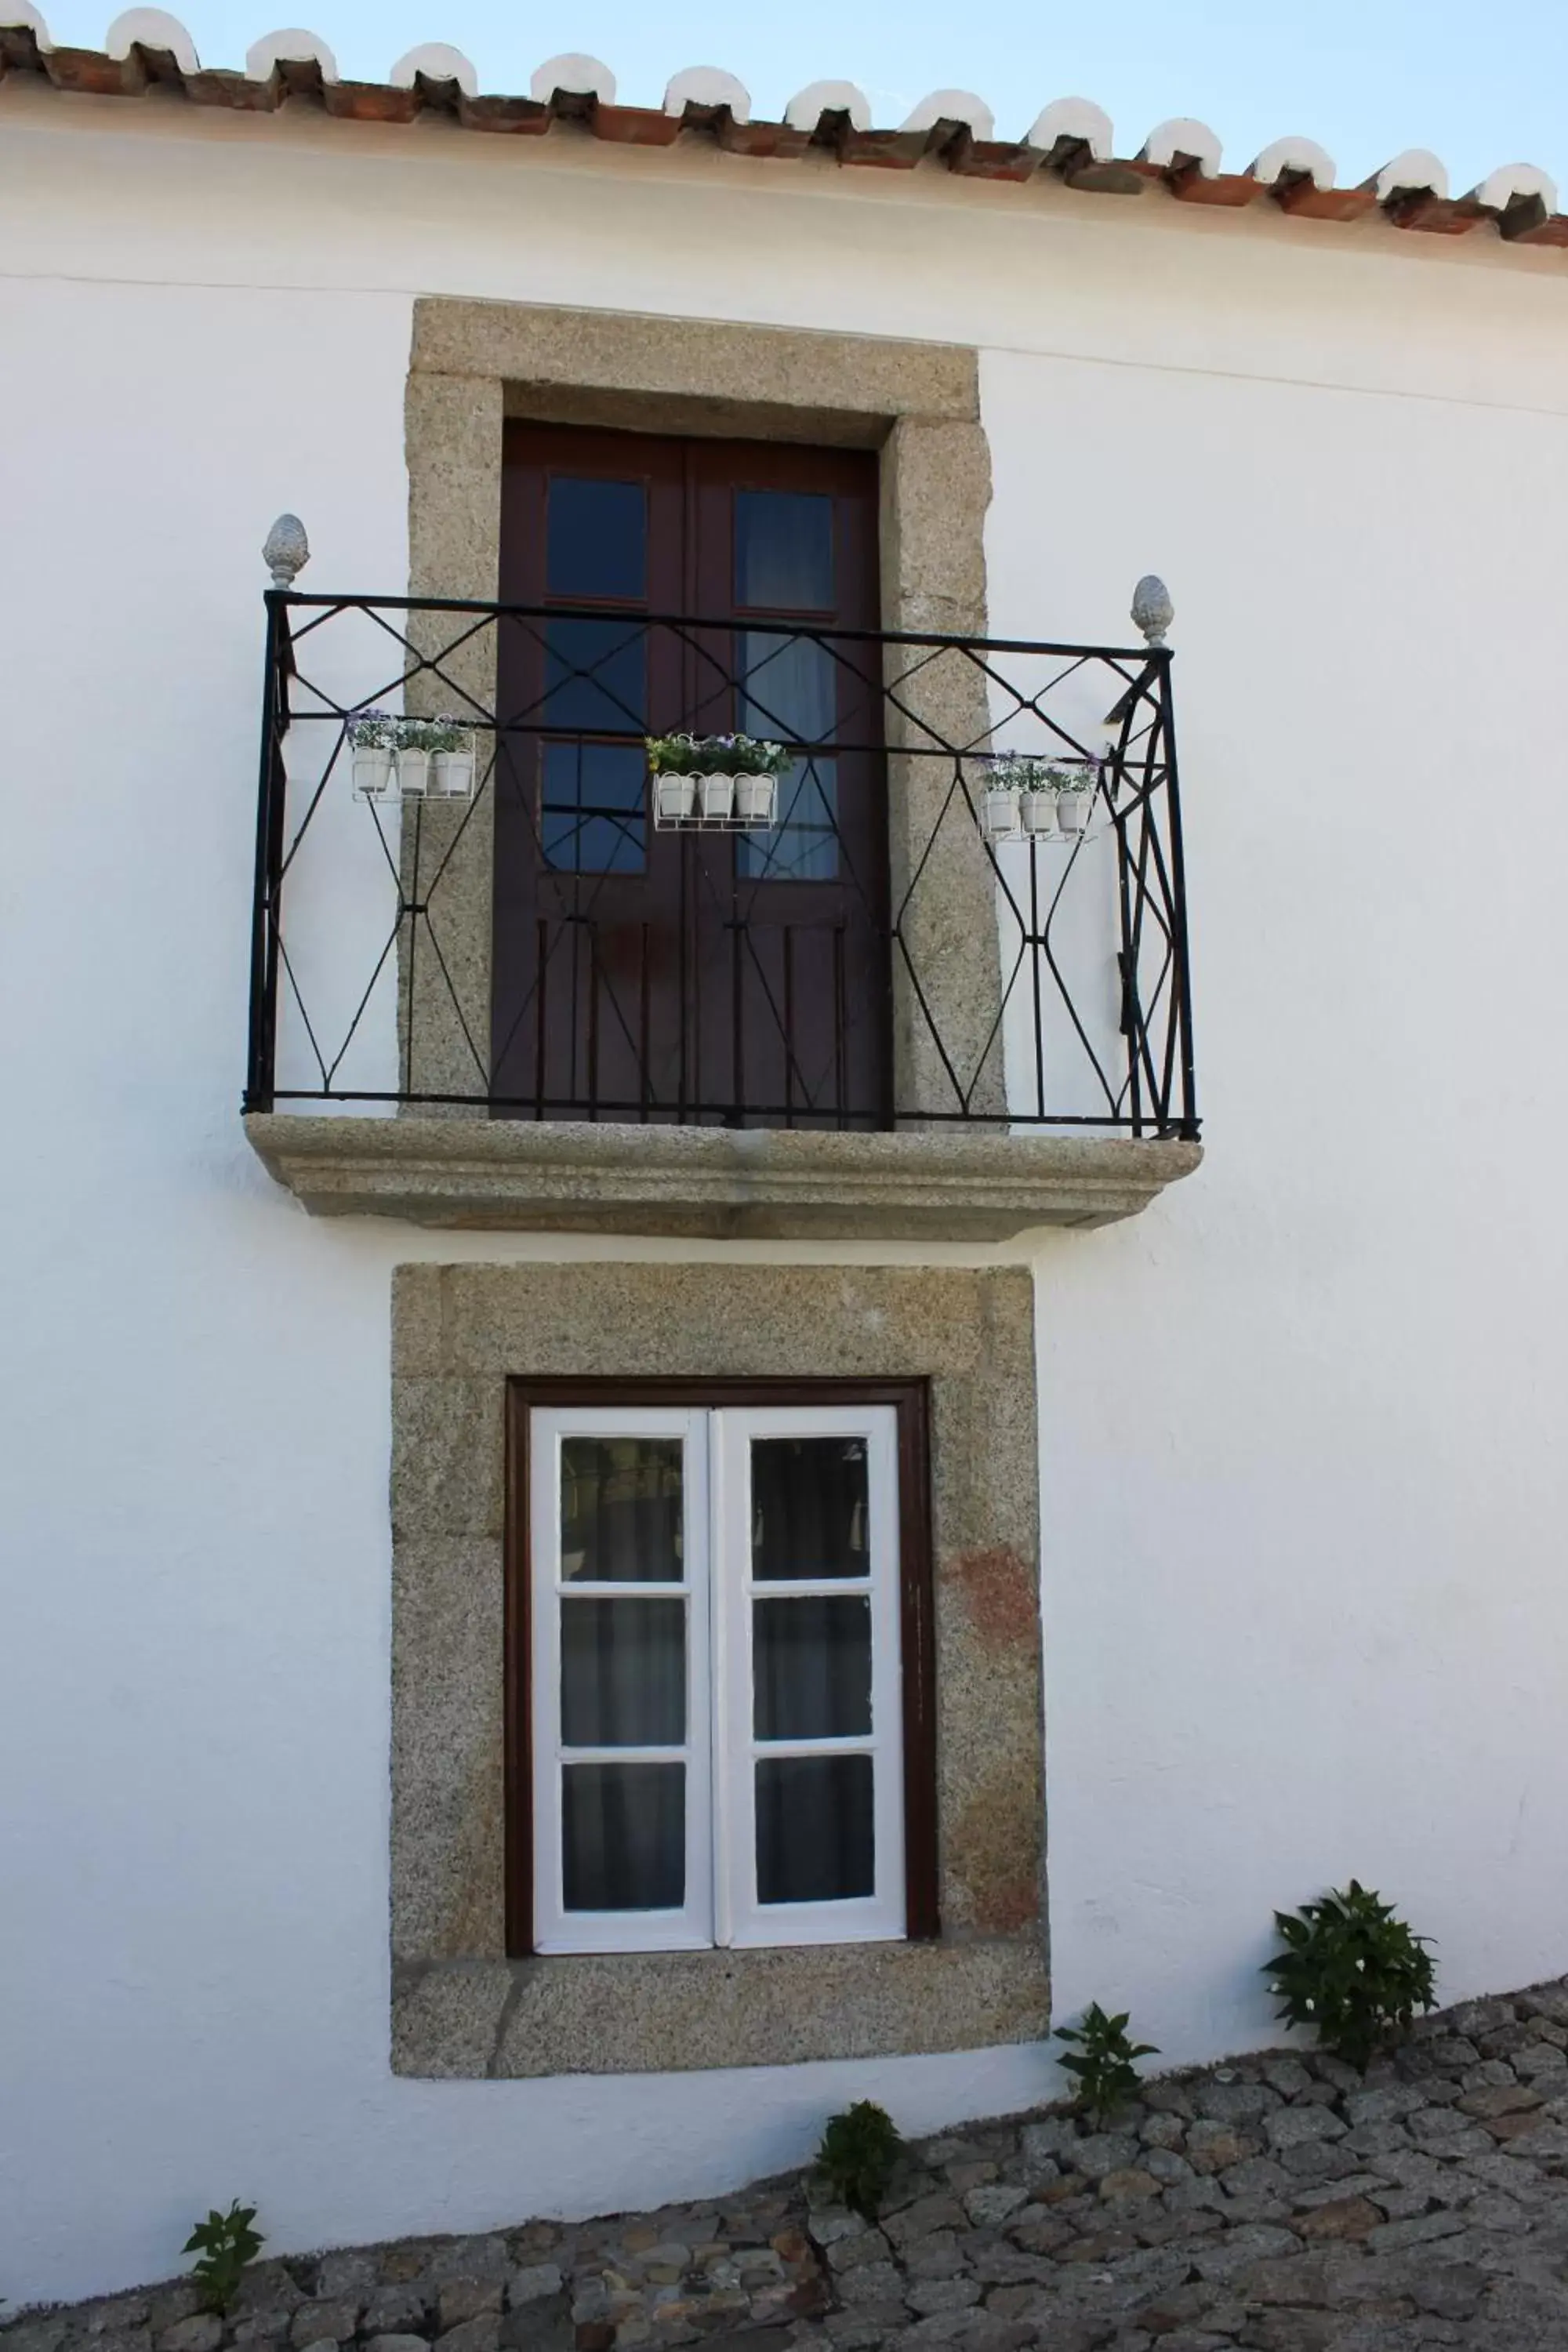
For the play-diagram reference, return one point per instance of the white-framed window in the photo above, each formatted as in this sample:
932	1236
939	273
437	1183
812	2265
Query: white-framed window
715	1687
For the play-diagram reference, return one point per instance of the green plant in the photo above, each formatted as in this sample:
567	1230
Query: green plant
858	2151
223	2243
373	731
1026	774
1101	2060
737	755
1353	1970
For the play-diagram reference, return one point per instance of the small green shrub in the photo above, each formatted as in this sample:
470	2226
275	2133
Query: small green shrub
858	2151
224	2242
1352	1970
1100	2060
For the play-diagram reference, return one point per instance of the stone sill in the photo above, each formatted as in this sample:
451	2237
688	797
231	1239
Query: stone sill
732	1184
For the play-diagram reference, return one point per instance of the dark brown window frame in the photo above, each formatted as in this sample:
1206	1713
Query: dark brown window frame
910	1399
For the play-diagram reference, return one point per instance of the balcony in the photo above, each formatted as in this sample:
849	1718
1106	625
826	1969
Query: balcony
544	996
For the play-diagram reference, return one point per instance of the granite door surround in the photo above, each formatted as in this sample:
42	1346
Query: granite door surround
474	363
461	2007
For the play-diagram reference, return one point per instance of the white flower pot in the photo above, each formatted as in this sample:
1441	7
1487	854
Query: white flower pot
372	772
675	798
452	775
412	773
999	812
1072	810
718	795
754	799
1039	810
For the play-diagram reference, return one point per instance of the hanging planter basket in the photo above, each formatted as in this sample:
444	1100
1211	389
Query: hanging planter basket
411	758
1037	800
720	783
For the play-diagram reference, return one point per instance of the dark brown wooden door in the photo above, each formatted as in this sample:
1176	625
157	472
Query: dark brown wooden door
642	973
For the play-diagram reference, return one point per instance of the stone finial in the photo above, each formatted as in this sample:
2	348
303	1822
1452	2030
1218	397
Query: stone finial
1515	184
1183	136
290	46
953	106
152	28
1300	158
708	85
1152	611
21	16
1077	118
285	551
1416	172
807	107
438	61
575	77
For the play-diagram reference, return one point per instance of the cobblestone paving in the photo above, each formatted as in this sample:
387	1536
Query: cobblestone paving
1282	2202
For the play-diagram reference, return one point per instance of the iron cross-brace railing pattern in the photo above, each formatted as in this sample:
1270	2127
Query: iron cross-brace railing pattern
887	952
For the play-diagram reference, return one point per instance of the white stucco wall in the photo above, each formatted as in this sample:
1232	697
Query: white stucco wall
1300	1479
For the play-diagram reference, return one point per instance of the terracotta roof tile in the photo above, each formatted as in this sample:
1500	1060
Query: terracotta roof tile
1071	140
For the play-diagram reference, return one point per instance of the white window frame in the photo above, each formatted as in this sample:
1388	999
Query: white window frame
722	1908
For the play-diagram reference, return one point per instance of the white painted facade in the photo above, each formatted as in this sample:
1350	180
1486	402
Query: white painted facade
1301	1469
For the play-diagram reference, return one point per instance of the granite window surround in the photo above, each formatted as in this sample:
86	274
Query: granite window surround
460	2006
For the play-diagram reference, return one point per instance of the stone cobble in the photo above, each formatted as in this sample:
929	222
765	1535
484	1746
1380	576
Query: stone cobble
1281	2203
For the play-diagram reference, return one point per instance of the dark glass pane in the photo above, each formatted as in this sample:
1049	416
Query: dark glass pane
789	689
811	1668
804	846
594	817
620	1509
784	550
815	1835
623	1674
593	676
622	1836
596	538
810	1508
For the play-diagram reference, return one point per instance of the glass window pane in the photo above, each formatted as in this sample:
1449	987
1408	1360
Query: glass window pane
811	1667
622	1836
784	550
593	819
810	1508
804	846
623	1674
593	676
815	1834
788	686
596	539
620	1509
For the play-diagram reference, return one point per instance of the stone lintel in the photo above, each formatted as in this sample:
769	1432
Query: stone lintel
926	1184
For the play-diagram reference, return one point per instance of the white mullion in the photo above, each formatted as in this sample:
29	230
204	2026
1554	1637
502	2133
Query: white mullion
555	1929
726	1759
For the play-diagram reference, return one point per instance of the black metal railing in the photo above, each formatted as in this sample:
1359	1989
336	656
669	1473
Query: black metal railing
539	948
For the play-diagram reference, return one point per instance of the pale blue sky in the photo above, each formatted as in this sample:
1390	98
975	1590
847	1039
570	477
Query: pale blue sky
1480	85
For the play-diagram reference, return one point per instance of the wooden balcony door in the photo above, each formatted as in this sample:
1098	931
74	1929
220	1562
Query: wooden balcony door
719	978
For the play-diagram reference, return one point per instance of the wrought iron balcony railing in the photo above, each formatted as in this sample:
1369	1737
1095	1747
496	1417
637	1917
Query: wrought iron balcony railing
533	943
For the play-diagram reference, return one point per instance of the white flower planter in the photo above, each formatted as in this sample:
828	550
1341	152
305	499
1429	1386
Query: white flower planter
1039	810
675	798
756	798
999	812
373	773
1072	810
718	793
412	773
451	775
